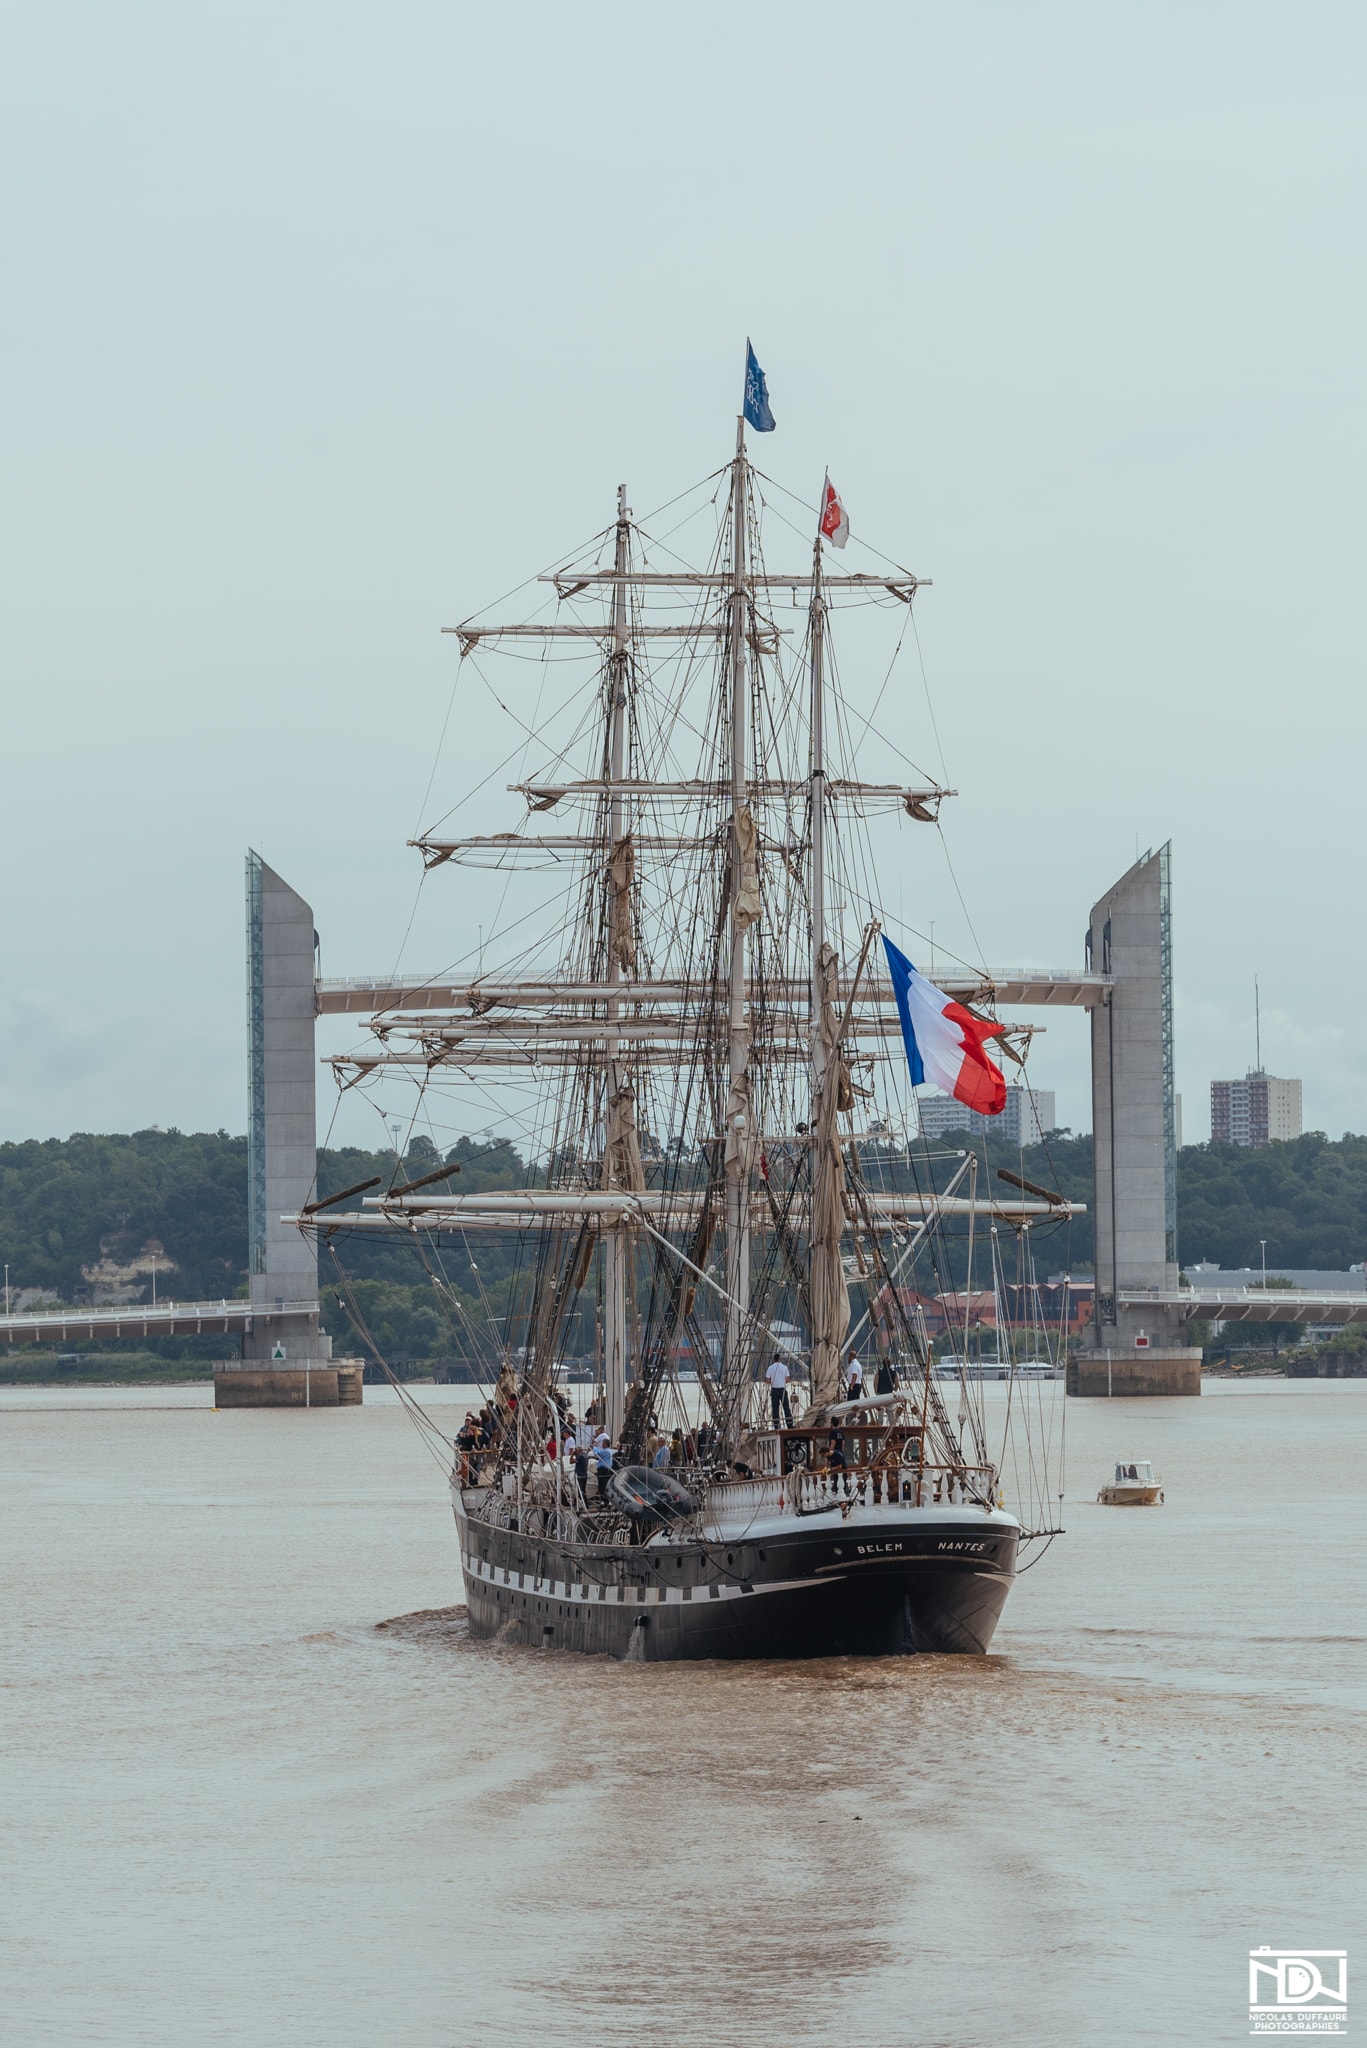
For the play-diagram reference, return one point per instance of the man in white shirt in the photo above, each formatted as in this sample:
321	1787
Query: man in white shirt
854	1378
778	1376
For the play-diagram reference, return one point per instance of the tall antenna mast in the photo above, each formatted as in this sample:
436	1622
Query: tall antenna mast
1257	1026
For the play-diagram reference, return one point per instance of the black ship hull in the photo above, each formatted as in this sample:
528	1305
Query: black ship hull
922	1583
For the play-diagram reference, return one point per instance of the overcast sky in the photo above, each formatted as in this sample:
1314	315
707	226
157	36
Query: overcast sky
327	324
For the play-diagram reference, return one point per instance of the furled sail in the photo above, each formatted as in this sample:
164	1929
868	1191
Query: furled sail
747	905
623	1163
622	873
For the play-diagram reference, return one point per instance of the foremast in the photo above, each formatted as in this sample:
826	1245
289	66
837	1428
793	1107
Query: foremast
621	1155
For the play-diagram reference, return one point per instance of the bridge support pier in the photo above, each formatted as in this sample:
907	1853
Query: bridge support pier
306	1386
1119	1373
1136	1348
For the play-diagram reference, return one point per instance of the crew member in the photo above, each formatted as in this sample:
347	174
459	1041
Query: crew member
467	1446
778	1377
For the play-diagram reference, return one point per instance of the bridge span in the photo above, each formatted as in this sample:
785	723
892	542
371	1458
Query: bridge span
1249	1304
151	1319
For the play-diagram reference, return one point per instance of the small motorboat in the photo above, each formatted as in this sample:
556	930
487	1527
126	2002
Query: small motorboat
1133	1486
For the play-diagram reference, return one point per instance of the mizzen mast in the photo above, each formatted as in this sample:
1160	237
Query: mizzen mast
829	1296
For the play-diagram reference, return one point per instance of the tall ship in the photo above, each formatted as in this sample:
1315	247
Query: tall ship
715	1427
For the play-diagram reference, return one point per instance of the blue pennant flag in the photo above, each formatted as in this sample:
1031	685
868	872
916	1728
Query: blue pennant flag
757	413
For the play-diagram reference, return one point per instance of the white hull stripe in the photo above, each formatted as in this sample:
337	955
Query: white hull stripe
587	1594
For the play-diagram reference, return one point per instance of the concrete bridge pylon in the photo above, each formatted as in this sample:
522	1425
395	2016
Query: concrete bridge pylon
286	1359
1137	1340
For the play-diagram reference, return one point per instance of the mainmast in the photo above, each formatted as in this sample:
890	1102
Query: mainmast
739	1144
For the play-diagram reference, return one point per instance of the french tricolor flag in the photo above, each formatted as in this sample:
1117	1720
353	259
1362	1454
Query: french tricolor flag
944	1043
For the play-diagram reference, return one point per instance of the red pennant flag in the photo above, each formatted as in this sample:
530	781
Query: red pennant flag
835	524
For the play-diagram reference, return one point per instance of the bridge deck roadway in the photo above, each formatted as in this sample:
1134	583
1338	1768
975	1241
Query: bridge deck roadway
166	1319
1250	1304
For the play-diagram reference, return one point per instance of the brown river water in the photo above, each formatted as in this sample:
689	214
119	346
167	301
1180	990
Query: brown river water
260	1787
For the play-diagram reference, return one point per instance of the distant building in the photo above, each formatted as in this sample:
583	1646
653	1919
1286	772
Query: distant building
1023	1122
1314	1279
1054	1304
1255	1110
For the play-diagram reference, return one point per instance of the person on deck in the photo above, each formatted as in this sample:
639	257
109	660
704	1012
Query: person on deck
836	1458
854	1378
661	1458
467	1447
602	1458
778	1376
677	1453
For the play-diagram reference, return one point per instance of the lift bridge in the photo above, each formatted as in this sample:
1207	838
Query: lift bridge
1136	1342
